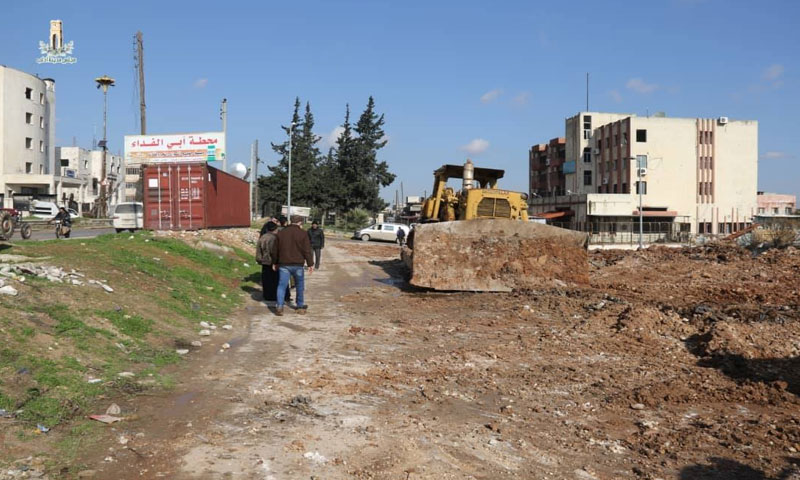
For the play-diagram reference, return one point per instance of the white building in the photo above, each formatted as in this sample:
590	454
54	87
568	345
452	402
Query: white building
84	169
698	173
27	137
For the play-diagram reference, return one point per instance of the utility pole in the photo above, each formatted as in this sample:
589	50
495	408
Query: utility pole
639	185
103	82
587	91
140	64
254	179
223	114
289	179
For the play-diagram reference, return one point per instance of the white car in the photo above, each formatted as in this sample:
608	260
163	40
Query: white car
128	216
381	231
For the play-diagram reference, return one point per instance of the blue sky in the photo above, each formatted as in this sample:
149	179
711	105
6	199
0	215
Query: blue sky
454	78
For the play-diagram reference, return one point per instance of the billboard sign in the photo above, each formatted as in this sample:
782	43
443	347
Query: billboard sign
178	147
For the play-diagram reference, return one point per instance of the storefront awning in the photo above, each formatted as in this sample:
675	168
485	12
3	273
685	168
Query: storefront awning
656	213
557	214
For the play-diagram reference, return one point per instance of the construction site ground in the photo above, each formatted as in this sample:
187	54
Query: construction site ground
670	364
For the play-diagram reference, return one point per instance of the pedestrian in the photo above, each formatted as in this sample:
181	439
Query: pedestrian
317	238
292	249
282	221
410	242
401	236
269	277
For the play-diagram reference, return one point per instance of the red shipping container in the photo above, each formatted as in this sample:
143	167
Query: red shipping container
192	196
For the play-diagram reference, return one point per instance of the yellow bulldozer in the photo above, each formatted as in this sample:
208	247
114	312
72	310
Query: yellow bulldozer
480	239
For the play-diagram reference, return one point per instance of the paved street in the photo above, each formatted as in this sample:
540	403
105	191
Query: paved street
49	233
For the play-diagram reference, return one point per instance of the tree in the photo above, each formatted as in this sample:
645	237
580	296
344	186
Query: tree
374	173
305	162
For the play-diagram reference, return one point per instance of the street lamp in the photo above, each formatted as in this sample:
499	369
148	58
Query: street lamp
104	82
641	161
289	180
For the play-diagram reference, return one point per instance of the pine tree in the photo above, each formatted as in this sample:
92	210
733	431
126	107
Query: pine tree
305	162
347	166
374	174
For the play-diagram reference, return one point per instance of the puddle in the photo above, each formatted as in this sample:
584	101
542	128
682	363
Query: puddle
235	342
184	399
392	281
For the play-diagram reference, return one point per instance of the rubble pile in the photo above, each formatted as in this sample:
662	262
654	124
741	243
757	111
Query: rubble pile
20	271
243	238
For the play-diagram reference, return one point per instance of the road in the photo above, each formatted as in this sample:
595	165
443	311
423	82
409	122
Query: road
49	233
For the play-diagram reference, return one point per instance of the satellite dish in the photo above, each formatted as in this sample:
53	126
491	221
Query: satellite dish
239	169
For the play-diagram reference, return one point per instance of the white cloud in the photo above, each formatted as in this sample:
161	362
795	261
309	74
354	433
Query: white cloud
476	146
491	95
615	95
775	155
773	72
640	86
329	140
201	83
521	98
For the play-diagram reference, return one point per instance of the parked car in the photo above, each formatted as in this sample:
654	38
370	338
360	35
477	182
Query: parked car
128	216
381	231
73	213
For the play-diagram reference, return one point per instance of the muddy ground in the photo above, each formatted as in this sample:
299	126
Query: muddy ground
671	364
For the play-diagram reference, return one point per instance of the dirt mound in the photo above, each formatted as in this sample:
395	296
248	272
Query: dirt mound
496	255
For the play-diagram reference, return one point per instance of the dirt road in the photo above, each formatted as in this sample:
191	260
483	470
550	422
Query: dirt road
677	364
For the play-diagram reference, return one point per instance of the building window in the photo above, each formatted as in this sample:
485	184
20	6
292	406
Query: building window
29	93
616	139
643	186
624	138
760	209
41	122
29	143
41	146
641	136
29	118
641	161
615	188
587	155
599	143
788	210
775	210
65	162
86	164
41	98
28	167
625	188
587	177
41	169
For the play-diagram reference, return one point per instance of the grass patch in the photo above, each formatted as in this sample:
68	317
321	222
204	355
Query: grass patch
129	324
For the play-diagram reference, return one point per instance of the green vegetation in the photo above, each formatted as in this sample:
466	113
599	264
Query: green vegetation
59	336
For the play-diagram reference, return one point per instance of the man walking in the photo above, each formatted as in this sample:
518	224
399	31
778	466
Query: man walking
291	249
317	238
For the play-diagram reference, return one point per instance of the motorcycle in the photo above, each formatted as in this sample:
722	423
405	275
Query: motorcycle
62	231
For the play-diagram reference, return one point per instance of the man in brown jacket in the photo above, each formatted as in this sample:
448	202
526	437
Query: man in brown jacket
292	249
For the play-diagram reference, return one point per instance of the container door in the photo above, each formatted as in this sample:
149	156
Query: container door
189	201
158	197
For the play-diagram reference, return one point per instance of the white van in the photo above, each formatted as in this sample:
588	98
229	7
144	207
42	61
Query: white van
128	216
381	231
46	210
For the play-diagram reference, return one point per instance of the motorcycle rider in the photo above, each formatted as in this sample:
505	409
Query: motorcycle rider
66	221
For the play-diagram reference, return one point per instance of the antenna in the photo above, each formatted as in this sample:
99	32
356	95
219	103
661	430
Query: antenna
140	64
587	91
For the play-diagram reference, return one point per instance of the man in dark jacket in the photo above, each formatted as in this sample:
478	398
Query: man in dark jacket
317	238
291	249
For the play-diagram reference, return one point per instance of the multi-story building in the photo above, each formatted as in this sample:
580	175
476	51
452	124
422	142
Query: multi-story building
546	166
699	173
85	168
776	204
27	137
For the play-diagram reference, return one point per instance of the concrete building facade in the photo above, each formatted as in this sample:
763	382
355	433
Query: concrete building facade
698	173
27	136
546	167
83	168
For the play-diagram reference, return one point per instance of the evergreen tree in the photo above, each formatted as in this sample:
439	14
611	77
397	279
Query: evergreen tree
374	174
305	162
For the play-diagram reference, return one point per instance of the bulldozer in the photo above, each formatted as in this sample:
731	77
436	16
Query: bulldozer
479	238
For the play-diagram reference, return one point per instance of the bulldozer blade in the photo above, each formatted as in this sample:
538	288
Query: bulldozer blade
495	255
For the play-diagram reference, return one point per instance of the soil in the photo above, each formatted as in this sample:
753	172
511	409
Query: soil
669	363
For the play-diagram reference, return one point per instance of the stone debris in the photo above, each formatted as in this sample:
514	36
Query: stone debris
18	272
204	333
8	290
226	346
182	351
196	343
227	327
315	457
126	374
113	409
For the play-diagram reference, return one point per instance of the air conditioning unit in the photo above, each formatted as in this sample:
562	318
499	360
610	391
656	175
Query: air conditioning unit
641	172
605	181
723	120
547	162
596	151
